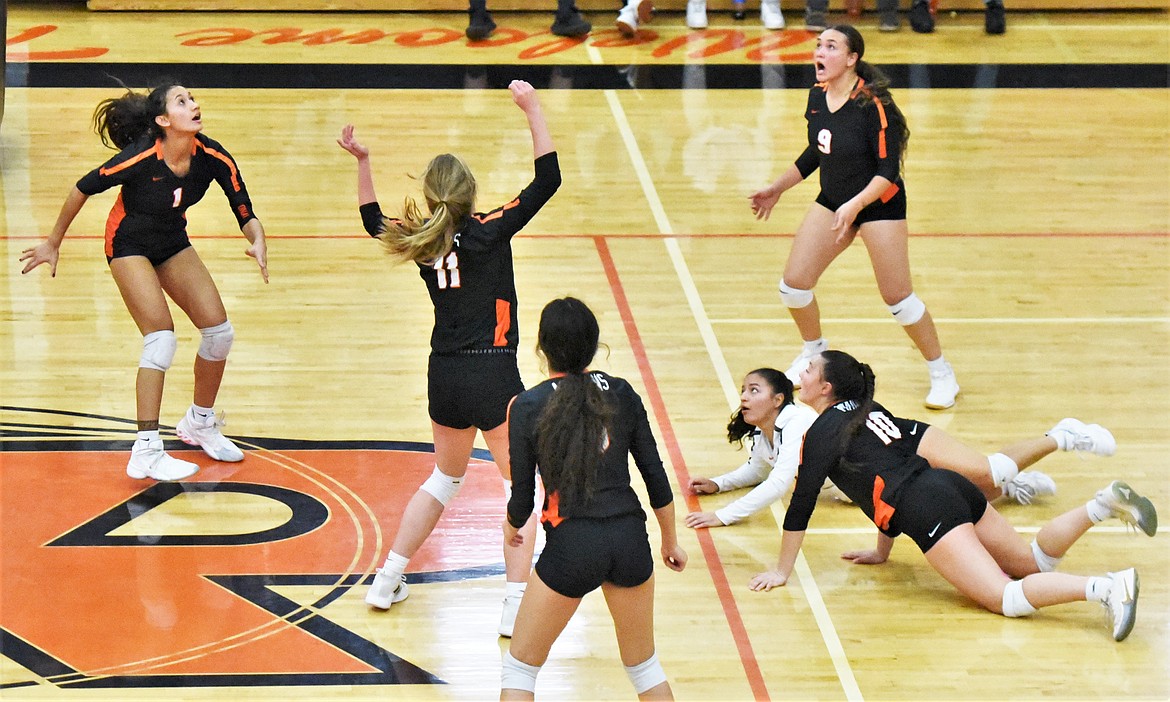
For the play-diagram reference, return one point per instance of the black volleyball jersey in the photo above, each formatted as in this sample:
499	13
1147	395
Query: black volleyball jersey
612	496
472	287
153	202
850	146
880	463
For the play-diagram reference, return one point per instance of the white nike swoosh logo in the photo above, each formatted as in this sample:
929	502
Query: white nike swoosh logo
914	430
936	526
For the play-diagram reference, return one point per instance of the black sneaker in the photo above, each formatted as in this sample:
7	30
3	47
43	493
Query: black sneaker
480	26
571	24
921	20
994	18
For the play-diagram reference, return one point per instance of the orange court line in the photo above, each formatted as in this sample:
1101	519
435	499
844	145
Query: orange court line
743	643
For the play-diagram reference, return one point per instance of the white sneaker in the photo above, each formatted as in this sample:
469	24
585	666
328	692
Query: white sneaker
1074	435
1121	603
149	460
1129	507
207	436
801	362
634	12
508	616
944	387
770	14
385	591
697	14
1028	485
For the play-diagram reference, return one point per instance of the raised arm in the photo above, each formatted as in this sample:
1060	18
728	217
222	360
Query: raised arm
366	193
524	95
47	251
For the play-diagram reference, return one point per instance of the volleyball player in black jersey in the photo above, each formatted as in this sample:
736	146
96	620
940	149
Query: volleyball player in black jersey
164	166
857	137
465	259
580	427
874	458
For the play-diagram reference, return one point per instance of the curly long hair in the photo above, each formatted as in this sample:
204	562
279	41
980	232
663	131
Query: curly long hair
127	118
737	428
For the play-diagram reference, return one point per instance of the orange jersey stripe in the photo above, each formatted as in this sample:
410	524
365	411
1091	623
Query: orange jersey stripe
497	213
552	514
890	192
117	214
882	512
222	157
155	150
882	134
503	322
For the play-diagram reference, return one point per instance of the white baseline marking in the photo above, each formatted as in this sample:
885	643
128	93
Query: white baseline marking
959	320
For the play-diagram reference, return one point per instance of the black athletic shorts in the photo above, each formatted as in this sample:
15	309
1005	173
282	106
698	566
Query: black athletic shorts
936	501
580	554
895	208
472	389
157	252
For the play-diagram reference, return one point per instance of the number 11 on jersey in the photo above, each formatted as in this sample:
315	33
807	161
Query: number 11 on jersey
447	270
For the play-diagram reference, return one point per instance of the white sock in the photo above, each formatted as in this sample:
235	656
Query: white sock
1003	469
198	412
148	436
811	348
395	564
512	589
1064	440
1097	589
1097	511
938	365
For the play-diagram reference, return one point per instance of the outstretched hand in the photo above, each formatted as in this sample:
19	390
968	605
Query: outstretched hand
352	145
762	582
43	252
701	520
259	251
763	201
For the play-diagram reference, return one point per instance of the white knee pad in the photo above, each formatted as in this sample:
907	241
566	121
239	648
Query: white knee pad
217	341
794	298
908	311
647	674
1044	562
441	486
1014	602
158	350
517	675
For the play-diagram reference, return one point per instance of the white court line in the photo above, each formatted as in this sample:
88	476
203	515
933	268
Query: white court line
958	320
870	530
730	387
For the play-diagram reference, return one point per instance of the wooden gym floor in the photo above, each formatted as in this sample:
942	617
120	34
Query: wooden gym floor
1039	185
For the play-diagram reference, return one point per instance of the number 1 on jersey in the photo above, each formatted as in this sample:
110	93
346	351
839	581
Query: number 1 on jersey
447	269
